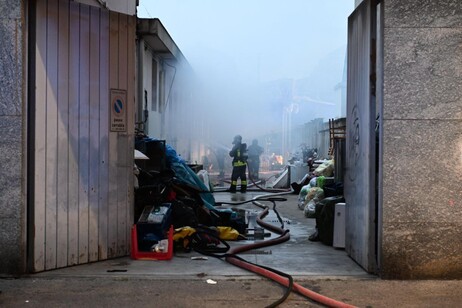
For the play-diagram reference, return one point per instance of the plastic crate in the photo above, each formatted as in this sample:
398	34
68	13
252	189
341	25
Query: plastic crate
151	255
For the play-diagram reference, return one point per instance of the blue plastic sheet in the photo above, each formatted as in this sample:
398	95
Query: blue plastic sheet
185	175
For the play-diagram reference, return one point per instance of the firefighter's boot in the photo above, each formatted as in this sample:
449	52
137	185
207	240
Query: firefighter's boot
243	186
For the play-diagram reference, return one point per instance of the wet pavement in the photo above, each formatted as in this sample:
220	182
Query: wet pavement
298	256
184	282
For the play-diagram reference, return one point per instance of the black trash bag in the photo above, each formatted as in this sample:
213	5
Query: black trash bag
325	213
183	215
154	187
204	215
333	189
206	240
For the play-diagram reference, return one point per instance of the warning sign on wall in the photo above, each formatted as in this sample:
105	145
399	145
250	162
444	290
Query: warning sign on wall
118	106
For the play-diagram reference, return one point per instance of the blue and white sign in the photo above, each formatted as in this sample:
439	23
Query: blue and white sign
118	105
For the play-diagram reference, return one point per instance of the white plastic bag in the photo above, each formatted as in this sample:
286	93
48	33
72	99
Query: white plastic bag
310	209
302	195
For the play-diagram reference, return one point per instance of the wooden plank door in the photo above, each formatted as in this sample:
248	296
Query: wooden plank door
82	189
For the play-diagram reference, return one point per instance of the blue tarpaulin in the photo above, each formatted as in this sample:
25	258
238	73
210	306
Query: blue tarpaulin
185	175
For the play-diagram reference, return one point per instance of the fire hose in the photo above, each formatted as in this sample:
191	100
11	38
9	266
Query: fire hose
277	276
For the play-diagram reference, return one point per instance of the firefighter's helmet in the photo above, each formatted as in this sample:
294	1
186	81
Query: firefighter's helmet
237	139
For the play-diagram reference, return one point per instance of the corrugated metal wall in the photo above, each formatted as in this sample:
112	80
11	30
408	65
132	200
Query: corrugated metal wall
83	187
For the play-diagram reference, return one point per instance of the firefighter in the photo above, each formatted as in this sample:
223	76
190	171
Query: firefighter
254	152
239	155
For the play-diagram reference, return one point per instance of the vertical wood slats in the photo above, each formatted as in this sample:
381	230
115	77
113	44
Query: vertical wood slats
73	130
84	133
103	204
131	109
113	155
94	131
83	197
51	133
122	142
40	139
63	136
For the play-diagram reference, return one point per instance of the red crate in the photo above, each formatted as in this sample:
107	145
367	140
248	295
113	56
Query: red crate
148	255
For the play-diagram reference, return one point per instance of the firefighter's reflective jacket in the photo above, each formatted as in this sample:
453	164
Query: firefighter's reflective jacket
239	154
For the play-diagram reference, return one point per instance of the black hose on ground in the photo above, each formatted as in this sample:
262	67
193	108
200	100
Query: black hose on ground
282	238
256	184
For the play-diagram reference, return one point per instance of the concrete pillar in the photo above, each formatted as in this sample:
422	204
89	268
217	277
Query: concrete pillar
422	138
12	204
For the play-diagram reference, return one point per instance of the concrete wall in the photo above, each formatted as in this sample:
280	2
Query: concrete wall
12	205
422	138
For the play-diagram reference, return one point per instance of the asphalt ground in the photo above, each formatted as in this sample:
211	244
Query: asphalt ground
227	292
182	282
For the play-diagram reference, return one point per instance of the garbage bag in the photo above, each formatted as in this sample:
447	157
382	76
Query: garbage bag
314	192
310	208
325	169
302	196
313	182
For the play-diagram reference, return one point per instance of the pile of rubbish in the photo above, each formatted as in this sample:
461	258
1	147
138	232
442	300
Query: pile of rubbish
313	192
170	193
317	198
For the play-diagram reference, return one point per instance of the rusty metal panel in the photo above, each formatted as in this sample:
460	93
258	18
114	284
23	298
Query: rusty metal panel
360	138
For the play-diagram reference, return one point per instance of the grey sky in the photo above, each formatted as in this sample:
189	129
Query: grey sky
259	39
256	58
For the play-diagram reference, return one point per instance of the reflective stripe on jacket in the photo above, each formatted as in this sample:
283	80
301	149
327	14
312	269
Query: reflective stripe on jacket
239	154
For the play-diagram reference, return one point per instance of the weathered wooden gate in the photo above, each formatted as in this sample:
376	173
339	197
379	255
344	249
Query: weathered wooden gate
81	192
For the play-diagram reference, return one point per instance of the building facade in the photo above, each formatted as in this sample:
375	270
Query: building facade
422	139
67	116
404	67
69	104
